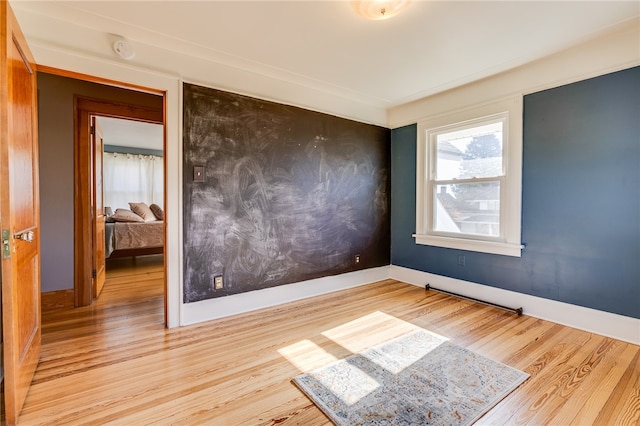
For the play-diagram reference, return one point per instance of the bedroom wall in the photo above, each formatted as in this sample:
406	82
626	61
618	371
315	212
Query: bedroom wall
287	195
56	139
581	203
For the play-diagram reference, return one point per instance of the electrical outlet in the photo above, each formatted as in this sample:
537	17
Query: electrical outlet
218	284
356	259
461	260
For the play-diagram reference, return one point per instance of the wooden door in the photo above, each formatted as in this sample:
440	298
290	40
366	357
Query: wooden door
19	214
97	146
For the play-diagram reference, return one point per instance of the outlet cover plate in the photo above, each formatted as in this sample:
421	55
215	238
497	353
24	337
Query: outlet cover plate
218	283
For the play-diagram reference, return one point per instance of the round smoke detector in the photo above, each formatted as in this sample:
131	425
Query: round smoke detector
123	49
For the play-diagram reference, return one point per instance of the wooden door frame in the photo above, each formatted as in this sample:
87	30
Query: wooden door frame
84	108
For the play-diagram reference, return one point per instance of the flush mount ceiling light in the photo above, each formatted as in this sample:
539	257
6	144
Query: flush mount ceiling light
378	9
124	49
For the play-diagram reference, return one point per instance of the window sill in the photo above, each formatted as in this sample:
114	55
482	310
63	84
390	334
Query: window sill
491	247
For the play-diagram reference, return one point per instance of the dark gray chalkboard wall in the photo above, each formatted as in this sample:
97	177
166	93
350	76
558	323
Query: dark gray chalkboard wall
288	195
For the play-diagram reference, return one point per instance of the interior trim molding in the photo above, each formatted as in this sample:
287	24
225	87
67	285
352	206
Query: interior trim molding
58	299
220	307
98	80
592	320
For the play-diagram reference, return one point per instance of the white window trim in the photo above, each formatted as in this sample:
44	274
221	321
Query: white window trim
511	193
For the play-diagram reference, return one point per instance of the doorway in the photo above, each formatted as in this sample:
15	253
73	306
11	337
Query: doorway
132	171
86	215
68	184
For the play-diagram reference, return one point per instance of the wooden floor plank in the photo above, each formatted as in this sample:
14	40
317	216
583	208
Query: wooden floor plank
623	403
603	380
114	362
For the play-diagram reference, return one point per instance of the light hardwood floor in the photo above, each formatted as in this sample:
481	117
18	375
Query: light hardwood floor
114	362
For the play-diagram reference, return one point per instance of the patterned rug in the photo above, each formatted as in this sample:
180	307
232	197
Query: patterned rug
415	379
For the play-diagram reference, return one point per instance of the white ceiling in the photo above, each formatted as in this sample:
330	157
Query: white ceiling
431	47
119	132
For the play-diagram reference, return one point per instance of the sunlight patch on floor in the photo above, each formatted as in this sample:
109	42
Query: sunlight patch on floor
395	357
372	338
346	373
362	333
369	330
306	355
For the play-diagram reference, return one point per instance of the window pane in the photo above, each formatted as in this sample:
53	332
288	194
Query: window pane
469	208
470	153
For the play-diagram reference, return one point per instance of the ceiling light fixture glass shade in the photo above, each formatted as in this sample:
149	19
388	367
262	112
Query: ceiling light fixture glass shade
379	9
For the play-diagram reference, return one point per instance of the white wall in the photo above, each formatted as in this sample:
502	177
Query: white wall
617	50
45	29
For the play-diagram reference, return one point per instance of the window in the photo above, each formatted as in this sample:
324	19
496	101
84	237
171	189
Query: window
469	179
132	178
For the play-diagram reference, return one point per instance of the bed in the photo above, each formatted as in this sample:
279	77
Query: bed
135	232
125	239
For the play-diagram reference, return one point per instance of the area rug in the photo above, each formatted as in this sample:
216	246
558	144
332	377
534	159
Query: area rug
416	379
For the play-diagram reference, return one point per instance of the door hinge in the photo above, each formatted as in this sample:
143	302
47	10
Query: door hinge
93	130
94	274
6	244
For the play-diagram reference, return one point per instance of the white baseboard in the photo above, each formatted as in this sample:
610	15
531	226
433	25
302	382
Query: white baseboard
604	323
230	305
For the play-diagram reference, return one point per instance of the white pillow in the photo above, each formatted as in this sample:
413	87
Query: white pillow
124	215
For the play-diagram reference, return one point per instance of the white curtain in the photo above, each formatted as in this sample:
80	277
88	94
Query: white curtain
132	178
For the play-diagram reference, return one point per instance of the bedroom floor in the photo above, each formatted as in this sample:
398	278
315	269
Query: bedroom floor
115	363
134	266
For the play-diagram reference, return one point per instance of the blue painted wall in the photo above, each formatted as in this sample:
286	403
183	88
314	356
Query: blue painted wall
581	200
